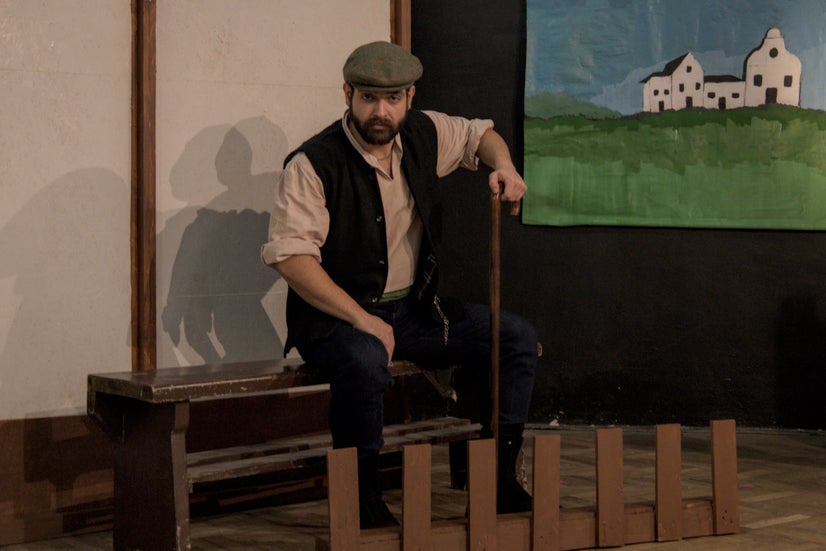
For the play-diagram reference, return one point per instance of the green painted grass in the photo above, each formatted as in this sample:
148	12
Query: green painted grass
745	168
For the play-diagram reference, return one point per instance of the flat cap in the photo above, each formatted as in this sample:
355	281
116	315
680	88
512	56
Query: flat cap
379	66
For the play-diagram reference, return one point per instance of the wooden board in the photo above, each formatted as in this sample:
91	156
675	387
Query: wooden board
669	483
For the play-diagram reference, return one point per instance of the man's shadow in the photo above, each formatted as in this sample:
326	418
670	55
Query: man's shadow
217	281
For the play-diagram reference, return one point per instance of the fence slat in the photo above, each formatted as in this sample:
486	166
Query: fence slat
416	498
610	504
724	477
482	495
343	499
669	509
545	525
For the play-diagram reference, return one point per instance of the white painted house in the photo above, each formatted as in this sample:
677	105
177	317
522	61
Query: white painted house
677	86
771	75
724	92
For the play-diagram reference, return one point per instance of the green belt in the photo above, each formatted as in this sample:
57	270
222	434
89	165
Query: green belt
395	295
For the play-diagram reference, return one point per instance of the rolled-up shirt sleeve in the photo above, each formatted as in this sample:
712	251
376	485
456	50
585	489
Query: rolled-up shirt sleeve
299	221
458	141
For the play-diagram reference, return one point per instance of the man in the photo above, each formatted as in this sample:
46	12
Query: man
355	232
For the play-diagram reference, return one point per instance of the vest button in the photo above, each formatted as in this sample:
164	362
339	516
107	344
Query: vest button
379	218
374	299
382	262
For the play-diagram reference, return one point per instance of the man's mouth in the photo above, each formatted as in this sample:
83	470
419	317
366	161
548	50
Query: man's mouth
379	124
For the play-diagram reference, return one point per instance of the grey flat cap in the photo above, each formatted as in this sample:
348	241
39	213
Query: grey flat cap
380	66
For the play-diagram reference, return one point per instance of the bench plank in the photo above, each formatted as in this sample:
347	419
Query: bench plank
429	427
227	464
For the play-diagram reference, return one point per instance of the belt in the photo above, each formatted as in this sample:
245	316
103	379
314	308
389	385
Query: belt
395	295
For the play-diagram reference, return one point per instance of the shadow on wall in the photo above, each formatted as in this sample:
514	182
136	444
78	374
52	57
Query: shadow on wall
801	364
67	251
217	285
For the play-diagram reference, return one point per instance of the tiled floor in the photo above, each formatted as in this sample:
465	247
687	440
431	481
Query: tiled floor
782	481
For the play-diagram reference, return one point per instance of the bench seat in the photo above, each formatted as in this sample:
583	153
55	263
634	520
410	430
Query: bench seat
147	415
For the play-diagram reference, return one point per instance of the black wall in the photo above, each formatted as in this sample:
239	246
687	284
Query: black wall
639	326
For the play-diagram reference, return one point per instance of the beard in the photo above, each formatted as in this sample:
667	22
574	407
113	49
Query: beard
375	130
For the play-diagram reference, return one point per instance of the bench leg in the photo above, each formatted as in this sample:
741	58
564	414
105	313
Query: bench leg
151	492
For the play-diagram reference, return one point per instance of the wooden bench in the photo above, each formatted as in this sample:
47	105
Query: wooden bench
147	415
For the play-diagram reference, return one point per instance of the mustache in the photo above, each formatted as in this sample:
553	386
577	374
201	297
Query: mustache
372	121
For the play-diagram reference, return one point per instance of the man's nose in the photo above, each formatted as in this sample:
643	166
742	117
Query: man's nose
381	108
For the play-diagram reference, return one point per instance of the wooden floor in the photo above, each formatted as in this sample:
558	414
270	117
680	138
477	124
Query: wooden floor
782	481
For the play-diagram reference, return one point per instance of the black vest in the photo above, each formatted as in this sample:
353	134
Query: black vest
355	252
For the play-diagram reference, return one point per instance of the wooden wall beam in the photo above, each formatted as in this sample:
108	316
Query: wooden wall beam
400	29
142	225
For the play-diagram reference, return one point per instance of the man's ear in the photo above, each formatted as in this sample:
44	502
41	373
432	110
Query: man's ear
348	95
410	93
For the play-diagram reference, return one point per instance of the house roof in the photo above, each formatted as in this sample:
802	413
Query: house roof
722	78
669	68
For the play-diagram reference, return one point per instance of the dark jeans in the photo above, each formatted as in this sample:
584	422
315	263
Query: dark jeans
356	364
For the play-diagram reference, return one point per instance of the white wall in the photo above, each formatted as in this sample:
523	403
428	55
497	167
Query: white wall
64	213
240	84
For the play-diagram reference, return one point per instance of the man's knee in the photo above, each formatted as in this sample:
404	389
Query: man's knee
364	365
353	360
520	333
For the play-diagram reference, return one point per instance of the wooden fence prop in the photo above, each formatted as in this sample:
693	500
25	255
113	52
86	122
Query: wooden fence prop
611	523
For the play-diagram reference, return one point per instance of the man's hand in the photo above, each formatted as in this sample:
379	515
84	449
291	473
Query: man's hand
493	151
509	182
377	327
307	278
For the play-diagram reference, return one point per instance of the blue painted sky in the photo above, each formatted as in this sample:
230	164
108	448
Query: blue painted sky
600	50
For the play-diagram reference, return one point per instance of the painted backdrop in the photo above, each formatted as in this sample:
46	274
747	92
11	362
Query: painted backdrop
709	113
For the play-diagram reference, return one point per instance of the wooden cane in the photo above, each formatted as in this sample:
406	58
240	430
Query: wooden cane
495	277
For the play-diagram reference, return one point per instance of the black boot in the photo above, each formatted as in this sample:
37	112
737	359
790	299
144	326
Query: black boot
511	497
373	511
458	459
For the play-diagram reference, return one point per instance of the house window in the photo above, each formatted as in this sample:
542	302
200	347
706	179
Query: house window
735	95
666	92
787	81
682	87
696	85
688	68
773	52
656	92
711	95
758	80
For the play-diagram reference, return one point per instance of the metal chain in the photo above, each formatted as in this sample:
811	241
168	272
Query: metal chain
445	321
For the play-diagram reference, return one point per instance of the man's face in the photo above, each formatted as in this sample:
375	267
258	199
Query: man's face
378	116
